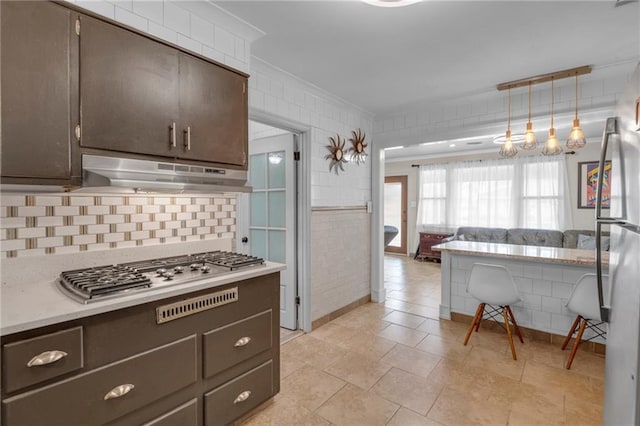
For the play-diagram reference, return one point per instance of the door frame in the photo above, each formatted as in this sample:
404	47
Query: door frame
403	180
305	135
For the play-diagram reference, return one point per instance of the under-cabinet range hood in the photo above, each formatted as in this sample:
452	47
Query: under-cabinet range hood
100	173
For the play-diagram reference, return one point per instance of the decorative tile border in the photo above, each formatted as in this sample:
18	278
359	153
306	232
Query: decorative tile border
34	225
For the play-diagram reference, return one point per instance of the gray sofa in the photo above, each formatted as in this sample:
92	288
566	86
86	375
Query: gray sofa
524	236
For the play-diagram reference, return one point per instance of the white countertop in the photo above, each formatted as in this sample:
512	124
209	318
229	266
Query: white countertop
565	256
31	298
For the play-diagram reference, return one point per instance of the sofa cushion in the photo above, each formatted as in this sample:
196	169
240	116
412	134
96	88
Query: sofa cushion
480	234
535	237
571	236
588	242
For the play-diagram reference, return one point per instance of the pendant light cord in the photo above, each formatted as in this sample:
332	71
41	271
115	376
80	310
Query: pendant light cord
576	96
509	112
552	99
529	102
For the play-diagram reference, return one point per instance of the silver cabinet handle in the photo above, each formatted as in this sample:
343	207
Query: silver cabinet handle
48	357
242	397
188	141
242	341
119	391
173	134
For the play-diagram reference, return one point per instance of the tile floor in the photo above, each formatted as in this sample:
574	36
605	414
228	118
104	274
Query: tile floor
397	364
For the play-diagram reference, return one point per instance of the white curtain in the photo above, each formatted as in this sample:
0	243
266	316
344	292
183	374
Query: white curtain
525	192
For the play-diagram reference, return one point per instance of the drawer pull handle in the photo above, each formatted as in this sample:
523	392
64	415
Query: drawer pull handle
45	358
119	391
242	342
242	397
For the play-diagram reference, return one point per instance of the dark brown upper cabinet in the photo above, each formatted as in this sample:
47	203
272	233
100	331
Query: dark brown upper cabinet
213	112
39	92
128	91
140	96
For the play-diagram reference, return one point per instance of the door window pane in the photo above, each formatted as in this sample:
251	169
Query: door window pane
277	252
258	241
258	209
276	170
277	209
257	165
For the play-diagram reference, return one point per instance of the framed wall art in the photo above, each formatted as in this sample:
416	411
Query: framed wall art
588	181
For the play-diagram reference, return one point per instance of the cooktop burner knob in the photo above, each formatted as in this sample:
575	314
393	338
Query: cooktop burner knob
168	276
178	269
161	271
194	266
205	269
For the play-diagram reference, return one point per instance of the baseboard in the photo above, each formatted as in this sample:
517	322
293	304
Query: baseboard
339	312
541	336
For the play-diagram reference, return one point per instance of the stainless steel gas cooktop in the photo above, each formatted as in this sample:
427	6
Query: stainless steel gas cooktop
105	282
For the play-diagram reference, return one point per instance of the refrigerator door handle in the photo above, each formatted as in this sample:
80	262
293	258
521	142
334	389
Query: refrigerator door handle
604	310
611	128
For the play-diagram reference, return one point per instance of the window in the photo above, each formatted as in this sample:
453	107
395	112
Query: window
524	192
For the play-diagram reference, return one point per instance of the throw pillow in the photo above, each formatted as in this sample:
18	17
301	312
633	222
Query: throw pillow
461	237
587	242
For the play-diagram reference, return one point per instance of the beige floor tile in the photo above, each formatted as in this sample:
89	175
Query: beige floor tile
586	363
541	353
289	364
404	335
333	333
453	349
353	406
443	328
544	376
313	351
310	387
454	409
286	412
412	360
582	413
536	406
361	323
481	359
404	417
358	369
414	392
368	344
402	318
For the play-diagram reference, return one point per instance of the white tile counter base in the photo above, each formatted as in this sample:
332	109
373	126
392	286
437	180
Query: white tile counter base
544	288
30	297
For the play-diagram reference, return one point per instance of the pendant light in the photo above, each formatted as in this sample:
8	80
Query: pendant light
530	139
576	138
552	147
508	148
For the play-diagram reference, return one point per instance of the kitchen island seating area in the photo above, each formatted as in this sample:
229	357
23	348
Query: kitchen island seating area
494	288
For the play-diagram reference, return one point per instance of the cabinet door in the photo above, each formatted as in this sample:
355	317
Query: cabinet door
36	70
213	110
129	90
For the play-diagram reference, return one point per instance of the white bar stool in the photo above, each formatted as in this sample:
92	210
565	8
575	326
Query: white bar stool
584	302
493	285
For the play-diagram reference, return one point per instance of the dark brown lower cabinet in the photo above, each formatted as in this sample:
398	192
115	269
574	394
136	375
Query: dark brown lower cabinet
122	367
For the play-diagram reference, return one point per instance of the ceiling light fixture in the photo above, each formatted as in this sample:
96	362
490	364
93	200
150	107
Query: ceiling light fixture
576	138
508	148
391	3
530	140
552	147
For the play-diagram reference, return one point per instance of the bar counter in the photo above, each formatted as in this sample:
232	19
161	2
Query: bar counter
545	277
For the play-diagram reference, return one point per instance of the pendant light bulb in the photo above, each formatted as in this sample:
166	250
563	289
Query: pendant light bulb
508	148
552	147
576	138
530	139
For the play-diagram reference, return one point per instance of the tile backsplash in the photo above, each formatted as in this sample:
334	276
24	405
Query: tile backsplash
35	225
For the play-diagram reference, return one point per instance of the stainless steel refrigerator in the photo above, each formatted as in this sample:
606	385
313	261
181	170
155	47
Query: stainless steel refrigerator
621	143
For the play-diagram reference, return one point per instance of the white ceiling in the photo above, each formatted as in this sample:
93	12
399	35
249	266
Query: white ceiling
387	59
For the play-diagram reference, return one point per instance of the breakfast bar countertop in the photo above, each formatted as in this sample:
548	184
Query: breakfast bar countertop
558	255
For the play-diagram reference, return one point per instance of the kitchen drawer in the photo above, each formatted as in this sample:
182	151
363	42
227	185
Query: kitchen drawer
237	397
184	415
227	346
51	355
83	400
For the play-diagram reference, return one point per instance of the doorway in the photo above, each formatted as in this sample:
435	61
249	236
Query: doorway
395	211
268	226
